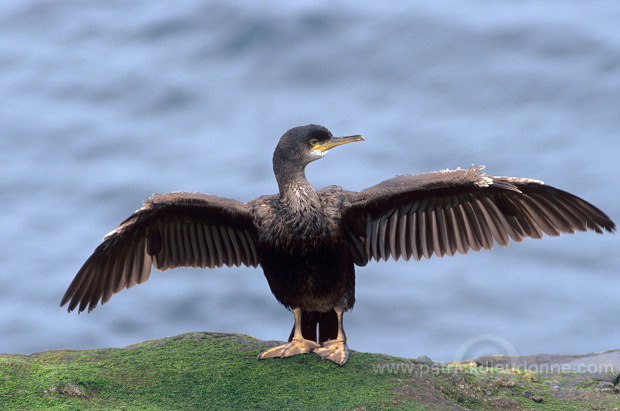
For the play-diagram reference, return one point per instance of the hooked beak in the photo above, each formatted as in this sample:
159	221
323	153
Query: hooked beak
337	141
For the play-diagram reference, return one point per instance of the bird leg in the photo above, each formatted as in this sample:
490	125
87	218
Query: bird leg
335	350
298	344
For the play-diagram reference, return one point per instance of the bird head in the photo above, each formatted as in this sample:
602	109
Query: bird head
304	144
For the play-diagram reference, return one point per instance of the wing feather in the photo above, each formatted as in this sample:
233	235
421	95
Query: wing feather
460	235
436	233
416	245
405	250
234	241
447	232
254	261
393	230
171	230
383	222
477	225
426	239
493	232
541	217
457	210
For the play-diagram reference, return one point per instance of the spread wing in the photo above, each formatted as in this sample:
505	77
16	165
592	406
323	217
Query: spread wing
457	210
170	230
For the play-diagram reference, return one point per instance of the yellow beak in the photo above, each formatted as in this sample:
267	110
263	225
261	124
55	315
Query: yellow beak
337	141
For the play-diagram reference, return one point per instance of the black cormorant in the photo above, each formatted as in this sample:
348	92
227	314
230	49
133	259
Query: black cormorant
309	241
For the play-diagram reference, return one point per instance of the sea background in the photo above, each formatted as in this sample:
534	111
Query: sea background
105	103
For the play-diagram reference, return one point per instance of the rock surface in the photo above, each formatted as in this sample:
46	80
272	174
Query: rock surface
212	370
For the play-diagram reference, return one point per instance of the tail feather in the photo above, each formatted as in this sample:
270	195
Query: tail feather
317	326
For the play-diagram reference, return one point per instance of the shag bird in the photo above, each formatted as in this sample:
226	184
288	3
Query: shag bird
308	242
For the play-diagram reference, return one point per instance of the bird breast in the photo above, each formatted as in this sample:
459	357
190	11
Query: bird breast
294	225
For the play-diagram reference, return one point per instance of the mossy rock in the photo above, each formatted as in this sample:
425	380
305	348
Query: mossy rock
220	371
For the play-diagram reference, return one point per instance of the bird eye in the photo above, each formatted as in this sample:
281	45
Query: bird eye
314	142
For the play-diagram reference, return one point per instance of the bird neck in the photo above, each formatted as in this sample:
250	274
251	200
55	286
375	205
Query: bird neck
293	185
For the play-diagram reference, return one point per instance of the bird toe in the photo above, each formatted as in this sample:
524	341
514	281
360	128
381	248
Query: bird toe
334	350
295	347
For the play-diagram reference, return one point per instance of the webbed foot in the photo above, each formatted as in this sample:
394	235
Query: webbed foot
295	347
334	350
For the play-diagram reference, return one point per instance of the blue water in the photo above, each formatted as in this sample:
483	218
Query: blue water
105	103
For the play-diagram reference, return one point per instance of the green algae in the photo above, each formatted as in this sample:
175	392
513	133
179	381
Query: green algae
220	371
